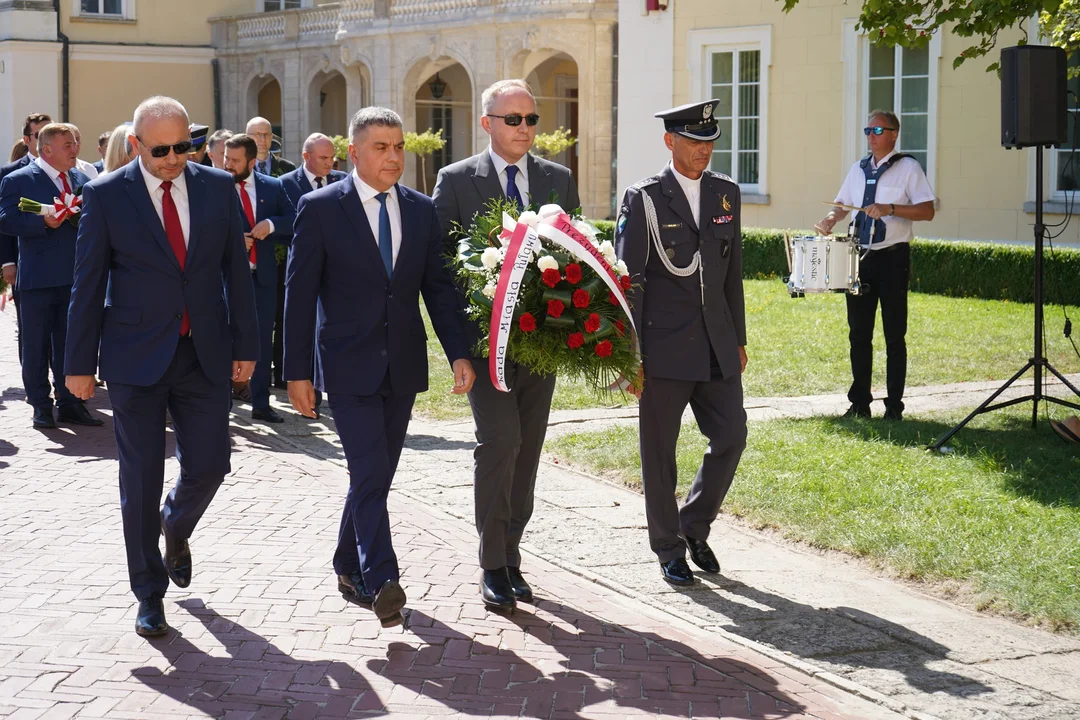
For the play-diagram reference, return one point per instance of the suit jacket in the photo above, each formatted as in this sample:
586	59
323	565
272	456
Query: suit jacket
9	244
464	188
368	325
676	328
99	166
130	293
279	166
273	205
297	185
46	256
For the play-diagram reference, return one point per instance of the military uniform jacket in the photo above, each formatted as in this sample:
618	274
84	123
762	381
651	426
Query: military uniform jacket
677	329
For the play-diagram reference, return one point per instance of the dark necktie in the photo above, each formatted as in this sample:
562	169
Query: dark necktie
511	186
318	183
174	231
386	240
249	213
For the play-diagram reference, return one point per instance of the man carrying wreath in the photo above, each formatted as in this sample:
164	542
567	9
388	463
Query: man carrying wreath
510	426
679	235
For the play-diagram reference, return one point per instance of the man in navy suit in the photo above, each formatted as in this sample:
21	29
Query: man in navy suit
268	219
164	310
45	271
316	172
9	244
364	251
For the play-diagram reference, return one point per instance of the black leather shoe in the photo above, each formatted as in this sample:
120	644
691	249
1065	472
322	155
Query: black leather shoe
43	418
77	414
677	572
496	589
702	555
150	621
267	415
389	599
892	413
858	411
352	588
177	558
521	589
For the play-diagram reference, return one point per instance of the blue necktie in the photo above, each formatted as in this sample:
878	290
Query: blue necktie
386	240
511	186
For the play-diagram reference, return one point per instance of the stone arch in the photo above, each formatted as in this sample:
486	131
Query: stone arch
255	84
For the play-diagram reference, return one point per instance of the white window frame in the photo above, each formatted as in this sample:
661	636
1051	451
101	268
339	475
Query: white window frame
127	11
701	44
855	54
303	4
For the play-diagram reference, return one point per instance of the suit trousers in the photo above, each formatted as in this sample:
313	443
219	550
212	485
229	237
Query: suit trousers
718	408
372	431
265	307
43	328
510	431
200	415
279	329
884	276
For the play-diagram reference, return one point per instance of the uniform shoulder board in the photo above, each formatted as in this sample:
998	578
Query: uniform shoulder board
646	182
720	176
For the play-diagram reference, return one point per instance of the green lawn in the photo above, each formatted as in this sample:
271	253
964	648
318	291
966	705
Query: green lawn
799	347
1001	515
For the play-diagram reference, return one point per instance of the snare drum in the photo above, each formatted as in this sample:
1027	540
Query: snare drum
823	264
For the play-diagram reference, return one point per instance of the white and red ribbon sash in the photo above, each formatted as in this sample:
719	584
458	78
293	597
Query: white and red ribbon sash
523	241
66	206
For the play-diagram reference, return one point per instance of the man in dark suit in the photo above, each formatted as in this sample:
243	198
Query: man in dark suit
9	244
510	427
164	310
685	260
316	172
45	271
102	145
268	219
268	164
364	251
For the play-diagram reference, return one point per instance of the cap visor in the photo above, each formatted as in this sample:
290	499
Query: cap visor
701	135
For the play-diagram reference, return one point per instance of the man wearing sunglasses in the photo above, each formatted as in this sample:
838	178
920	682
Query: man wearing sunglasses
163	308
510	427
892	190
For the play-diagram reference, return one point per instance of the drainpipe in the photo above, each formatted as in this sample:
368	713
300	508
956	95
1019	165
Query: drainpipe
215	67
65	57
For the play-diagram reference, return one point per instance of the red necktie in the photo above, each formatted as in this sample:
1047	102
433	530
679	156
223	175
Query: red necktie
175	232
67	188
250	213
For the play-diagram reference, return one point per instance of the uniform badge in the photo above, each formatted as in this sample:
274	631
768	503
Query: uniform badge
725	203
706	112
622	223
671	226
670	252
722	219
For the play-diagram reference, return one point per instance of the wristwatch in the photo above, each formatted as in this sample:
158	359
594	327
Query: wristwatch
893	205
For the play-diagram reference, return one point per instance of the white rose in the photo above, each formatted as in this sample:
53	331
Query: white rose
585	229
490	258
489	290
547	263
529	218
550	210
620	268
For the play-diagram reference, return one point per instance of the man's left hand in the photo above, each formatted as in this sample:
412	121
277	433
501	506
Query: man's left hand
879	210
464	376
261	230
242	369
742	359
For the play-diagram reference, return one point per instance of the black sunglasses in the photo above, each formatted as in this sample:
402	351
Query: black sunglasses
515	119
181	148
876	130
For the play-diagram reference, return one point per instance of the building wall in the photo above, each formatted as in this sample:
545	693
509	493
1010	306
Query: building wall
155	22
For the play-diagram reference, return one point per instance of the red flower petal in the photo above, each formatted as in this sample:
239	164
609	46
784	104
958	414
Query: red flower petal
575	340
527	322
581	299
592	324
603	349
555	308
551	277
573	273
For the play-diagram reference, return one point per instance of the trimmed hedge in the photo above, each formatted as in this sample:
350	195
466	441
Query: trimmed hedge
990	271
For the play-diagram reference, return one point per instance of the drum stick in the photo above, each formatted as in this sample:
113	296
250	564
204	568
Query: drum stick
849	208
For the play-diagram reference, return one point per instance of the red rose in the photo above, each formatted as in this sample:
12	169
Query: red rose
624	282
527	323
573	273
620	327
603	349
592	324
551	277
581	298
575	340
555	308
612	298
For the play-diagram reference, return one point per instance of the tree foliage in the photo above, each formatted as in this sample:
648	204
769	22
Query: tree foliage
341	147
423	144
548	145
910	23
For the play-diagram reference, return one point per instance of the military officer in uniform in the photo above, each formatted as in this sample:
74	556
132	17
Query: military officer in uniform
679	234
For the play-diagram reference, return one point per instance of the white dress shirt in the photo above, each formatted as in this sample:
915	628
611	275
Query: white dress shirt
54	175
522	179
372	206
311	178
179	195
86	168
904	183
692	190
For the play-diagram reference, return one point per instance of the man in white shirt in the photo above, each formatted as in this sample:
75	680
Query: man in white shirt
892	191
84	167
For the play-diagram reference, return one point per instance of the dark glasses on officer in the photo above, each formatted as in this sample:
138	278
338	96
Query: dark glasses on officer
160	151
875	130
515	119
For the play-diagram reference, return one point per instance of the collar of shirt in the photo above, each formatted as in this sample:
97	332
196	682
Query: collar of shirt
52	172
366	192
179	185
500	164
311	178
691	189
874	165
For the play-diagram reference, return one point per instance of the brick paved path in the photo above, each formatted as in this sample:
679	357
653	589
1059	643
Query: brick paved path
262	632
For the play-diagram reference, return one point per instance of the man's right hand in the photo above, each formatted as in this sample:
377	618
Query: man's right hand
10	273
302	397
51	221
81	386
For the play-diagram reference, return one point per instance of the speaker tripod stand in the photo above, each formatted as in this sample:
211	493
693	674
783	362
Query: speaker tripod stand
1038	360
